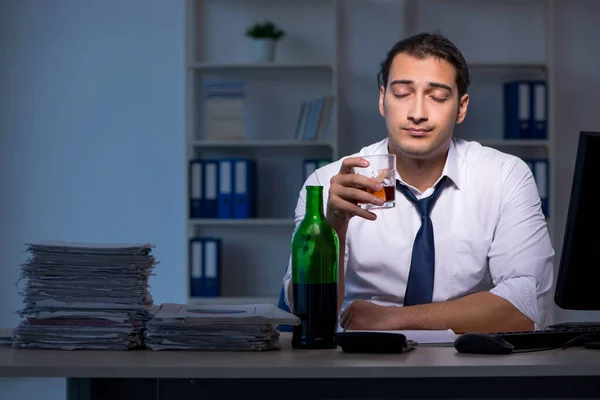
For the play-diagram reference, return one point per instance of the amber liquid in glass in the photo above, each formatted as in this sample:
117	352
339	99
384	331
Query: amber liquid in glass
387	194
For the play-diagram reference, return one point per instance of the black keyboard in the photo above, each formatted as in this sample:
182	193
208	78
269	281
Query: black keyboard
551	338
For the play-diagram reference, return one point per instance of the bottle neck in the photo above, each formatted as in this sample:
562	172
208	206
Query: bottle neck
314	202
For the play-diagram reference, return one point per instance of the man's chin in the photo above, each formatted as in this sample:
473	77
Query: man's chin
423	150
424	147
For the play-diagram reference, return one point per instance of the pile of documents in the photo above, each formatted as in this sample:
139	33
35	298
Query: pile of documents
85	296
249	327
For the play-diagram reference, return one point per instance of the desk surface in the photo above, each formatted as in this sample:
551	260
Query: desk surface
427	362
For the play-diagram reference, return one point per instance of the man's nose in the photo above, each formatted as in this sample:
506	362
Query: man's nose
417	112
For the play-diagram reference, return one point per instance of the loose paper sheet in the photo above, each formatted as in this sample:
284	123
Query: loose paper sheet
424	337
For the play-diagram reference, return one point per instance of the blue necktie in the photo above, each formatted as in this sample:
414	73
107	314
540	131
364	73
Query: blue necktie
419	289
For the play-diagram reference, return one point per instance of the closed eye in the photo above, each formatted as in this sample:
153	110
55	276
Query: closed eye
438	99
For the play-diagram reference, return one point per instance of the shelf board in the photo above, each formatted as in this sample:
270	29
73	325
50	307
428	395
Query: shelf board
233	300
506	65
260	143
211	66
289	222
514	142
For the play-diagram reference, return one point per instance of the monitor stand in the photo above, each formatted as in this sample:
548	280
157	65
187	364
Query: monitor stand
575	325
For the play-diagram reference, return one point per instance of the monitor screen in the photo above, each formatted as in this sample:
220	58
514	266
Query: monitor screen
578	278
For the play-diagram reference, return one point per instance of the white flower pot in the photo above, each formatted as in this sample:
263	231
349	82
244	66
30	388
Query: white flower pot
264	50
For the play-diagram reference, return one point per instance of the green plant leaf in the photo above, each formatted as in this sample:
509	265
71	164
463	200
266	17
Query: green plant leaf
265	30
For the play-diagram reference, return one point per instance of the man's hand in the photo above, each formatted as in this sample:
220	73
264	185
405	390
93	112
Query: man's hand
346	190
365	315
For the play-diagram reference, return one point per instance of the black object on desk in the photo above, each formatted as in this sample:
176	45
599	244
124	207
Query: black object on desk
482	343
373	342
488	343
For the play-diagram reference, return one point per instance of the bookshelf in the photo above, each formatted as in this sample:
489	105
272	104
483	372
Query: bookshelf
515	143
255	251
260	144
241	66
250	222
333	47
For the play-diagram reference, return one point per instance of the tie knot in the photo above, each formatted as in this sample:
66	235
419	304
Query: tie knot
424	205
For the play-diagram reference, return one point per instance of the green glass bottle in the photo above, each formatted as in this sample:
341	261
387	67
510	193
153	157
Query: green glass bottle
315	249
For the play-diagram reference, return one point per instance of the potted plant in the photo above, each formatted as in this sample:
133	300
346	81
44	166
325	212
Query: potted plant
265	36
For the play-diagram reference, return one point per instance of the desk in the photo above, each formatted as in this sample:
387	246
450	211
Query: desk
427	372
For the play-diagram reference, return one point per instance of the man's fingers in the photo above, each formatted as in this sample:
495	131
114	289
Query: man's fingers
348	322
358	196
344	316
352	162
342	205
345	322
356	181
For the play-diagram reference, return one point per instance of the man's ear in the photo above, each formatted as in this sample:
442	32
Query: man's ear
382	101
462	108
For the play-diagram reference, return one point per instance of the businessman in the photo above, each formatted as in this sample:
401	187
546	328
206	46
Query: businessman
466	246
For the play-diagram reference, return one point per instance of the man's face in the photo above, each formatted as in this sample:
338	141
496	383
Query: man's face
421	106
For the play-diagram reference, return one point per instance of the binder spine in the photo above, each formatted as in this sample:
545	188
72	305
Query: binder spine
542	181
212	267
225	197
517	110
310	166
210	189
540	110
196	257
195	189
245	193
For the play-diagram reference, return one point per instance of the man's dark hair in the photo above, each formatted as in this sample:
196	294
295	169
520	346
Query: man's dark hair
426	45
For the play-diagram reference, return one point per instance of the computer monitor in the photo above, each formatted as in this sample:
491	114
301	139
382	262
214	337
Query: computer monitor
578	278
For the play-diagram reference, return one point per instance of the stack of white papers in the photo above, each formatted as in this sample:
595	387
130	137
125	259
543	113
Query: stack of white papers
248	327
85	296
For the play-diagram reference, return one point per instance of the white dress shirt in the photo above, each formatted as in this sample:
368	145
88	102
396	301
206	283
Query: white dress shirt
489	230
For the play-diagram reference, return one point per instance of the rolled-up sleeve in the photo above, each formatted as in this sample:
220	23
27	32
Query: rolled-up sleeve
521	254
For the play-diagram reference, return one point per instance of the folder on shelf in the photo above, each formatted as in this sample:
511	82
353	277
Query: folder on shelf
517	110
196	249
311	165
540	110
542	181
212	267
530	163
225	196
323	162
539	169
195	188
245	193
205	266
210	189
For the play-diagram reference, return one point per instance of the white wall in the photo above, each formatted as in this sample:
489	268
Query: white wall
92	133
